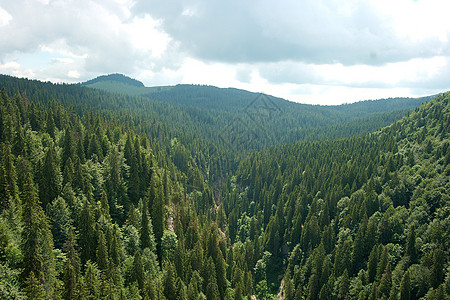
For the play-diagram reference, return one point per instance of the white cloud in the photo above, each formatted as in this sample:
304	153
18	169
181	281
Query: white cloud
15	69
73	74
327	50
5	17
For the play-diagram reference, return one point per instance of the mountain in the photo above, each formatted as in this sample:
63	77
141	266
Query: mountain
106	195
355	218
232	99
117	78
270	120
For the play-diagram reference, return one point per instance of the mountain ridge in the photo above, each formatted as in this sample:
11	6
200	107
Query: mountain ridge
164	92
150	193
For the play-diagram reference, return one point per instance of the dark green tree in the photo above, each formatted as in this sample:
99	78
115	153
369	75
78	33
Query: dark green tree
33	288
102	253
138	270
411	245
50	177
37	241
169	282
405	287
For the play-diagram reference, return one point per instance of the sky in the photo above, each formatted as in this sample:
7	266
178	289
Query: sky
308	51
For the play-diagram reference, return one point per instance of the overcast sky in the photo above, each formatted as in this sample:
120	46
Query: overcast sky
309	51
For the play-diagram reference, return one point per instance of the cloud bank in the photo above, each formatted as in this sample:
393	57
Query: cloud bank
324	51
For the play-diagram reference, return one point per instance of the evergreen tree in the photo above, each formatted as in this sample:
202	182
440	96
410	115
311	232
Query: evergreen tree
138	270
70	282
384	286
37	242
145	227
33	288
68	150
72	276
437	269
169	282
92	280
344	285
372	263
102	253
50	177
405	287
61	221
411	245
88	240
150	288
156	205
181	290
8	179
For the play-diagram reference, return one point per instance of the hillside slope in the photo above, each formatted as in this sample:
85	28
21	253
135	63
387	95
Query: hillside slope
360	218
110	196
265	119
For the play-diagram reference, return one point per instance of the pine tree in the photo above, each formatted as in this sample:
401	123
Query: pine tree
150	288
50	124
344	285
92	280
384	286
138	270
169	281
372	263
437	269
383	261
181	290
156	205
68	150
59	213
88	240
411	245
37	241
405	287
145	228
70	282
72	277
8	179
102	253
50	177
116	249
33	288
221	274
313	287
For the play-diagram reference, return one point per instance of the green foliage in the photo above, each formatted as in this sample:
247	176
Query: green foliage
168	245
107	196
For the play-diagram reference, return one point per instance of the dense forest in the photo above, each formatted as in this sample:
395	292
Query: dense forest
118	196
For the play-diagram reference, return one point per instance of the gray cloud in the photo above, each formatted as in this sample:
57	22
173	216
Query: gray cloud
267	31
305	43
83	28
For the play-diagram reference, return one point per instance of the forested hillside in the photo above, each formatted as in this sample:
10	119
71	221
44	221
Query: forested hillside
359	218
92	210
108	196
267	120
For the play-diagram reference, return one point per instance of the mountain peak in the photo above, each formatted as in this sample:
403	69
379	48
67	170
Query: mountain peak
115	77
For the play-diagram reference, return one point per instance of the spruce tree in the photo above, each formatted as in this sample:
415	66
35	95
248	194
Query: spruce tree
88	240
37	240
145	229
102	253
169	282
405	287
156	206
33	288
411	245
138	270
50	177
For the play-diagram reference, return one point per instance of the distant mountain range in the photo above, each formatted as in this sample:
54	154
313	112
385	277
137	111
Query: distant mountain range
211	97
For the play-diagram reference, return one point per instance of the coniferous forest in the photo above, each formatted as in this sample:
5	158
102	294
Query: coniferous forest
148	196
